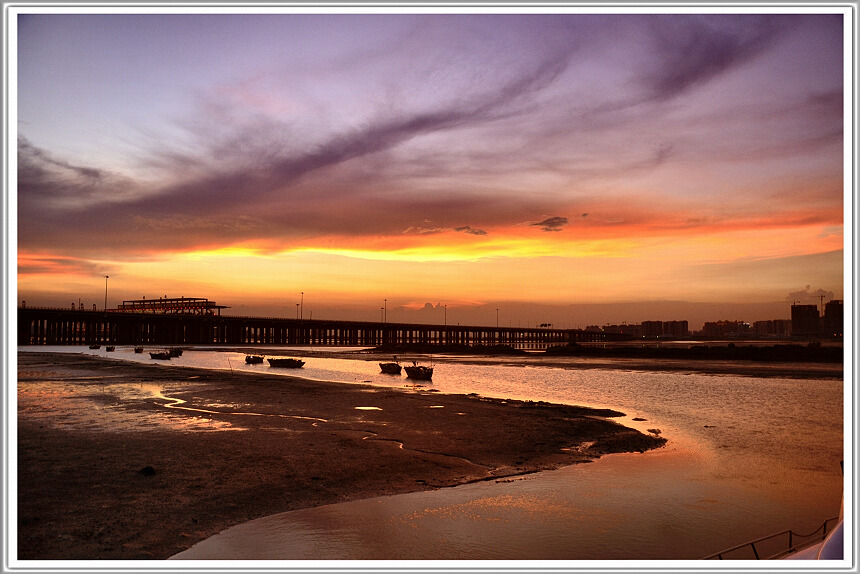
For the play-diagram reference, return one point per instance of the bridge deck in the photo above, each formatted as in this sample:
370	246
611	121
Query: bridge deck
76	327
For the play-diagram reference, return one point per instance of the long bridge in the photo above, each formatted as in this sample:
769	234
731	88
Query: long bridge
48	326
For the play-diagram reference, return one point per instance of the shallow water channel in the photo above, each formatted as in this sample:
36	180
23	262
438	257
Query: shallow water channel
746	457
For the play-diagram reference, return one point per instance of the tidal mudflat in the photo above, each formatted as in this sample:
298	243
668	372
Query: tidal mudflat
134	461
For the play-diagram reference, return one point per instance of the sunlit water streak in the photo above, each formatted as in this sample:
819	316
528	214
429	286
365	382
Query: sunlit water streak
746	457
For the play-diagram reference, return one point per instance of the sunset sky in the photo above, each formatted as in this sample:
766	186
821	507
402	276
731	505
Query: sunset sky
479	161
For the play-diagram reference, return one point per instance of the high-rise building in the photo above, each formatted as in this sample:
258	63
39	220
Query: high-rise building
774	328
805	321
676	328
833	319
725	328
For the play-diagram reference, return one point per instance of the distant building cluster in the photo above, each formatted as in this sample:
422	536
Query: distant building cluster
806	322
647	330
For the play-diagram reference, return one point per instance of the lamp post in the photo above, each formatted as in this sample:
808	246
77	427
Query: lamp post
446	315
297	310
381	316
303	306
106	278
385	311
497	318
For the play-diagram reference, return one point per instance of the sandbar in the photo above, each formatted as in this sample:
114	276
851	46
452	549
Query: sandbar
119	460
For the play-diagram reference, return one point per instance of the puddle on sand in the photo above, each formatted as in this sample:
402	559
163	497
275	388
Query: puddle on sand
88	405
104	404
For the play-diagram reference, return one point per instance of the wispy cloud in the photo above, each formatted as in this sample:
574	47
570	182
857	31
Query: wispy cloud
690	50
551	223
36	264
491	131
470	230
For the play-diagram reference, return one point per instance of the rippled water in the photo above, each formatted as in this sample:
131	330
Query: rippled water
746	457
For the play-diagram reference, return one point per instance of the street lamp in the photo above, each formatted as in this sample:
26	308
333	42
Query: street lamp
497	318
446	315
303	305
381	315
385	315
297	310
106	278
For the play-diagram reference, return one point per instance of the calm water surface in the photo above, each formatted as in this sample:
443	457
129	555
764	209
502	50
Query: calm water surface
746	457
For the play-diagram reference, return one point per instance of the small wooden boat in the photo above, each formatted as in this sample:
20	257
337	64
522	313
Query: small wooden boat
95	346
160	354
110	348
419	372
174	352
138	349
390	368
253	359
287	363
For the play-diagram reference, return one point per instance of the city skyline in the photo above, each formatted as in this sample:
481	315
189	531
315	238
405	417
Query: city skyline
556	165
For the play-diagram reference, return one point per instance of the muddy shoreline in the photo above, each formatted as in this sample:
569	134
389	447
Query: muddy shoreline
165	474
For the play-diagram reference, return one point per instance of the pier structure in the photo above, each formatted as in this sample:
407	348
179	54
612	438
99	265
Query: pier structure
43	326
172	305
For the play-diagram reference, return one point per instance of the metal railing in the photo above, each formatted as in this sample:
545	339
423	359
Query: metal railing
776	545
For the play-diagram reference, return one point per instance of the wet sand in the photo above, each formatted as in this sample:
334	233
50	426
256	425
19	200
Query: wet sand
109	468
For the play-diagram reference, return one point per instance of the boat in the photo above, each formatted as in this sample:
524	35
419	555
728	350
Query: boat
160	354
95	346
285	362
138	349
174	352
253	359
392	368
110	348
419	372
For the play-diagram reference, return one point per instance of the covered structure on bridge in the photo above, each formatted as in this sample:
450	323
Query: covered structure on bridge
172	306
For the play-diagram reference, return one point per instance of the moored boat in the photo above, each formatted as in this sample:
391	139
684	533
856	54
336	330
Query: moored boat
286	362
175	352
110	348
160	354
95	346
253	359
390	368
419	372
138	349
